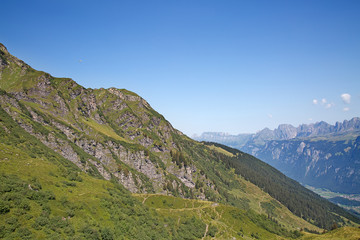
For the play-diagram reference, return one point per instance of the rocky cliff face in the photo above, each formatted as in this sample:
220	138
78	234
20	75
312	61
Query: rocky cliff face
287	131
320	154
334	165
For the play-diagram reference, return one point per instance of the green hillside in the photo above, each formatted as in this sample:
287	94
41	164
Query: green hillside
289	192
43	199
348	233
85	164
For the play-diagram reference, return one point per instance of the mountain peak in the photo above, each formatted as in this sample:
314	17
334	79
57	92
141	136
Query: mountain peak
3	49
3	53
16	74
6	59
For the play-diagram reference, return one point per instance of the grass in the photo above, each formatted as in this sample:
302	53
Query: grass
15	162
257	200
348	233
81	207
85	199
12	78
104	129
220	150
229	222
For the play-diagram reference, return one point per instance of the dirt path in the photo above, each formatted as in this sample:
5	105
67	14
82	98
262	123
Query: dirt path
181	209
206	230
262	199
145	199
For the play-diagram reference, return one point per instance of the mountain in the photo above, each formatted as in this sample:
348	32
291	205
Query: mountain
330	162
235	141
85	163
319	155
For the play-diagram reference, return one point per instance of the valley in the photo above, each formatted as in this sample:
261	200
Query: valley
350	202
320	155
82	163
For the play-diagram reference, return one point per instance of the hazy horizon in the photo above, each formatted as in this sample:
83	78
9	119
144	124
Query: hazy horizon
240	133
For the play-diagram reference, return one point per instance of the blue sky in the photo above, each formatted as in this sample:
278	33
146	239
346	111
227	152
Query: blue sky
230	66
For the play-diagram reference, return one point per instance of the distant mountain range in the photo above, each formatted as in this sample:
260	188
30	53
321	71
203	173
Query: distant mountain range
321	155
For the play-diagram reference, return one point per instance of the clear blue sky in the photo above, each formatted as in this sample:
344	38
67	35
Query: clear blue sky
232	66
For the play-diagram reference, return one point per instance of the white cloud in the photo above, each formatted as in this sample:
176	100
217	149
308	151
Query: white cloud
346	98
323	102
329	105
346	109
310	119
270	115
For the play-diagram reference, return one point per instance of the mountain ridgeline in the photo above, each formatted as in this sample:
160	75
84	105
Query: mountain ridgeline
320	154
83	163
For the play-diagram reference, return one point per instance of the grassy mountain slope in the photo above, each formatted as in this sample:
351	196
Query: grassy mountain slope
43	199
348	233
45	202
86	145
287	191
45	196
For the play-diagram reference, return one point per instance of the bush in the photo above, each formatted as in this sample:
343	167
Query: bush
90	232
69	184
25	206
13	224
192	228
4	207
45	211
2	231
42	221
212	230
73	176
106	234
70	212
57	222
69	231
24	233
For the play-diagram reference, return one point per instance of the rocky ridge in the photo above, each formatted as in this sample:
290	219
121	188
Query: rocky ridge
111	131
319	154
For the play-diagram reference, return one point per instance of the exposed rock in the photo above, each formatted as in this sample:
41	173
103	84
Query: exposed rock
285	131
301	147
115	131
314	154
101	169
127	181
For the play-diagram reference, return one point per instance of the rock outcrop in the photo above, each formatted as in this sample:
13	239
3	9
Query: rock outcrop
112	133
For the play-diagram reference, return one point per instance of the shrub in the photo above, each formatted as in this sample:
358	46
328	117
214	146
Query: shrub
90	232
4	207
24	233
42	221
106	234
212	230
25	206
